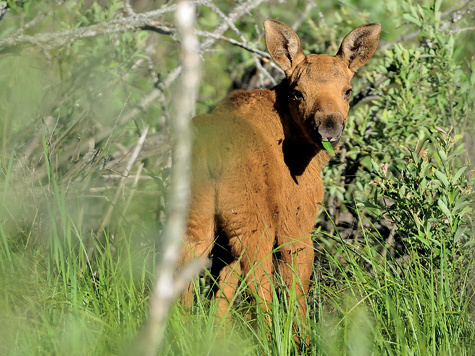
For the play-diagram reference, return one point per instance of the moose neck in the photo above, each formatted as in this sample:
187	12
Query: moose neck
298	153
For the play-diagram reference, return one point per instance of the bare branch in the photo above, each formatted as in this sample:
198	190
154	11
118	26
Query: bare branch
310	5
127	170
128	8
51	40
38	18
134	186
234	42
166	288
237	12
226	19
454	31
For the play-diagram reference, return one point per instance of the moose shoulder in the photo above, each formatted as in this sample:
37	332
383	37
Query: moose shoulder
256	165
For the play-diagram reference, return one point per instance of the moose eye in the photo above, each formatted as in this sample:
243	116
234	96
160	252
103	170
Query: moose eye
348	94
296	95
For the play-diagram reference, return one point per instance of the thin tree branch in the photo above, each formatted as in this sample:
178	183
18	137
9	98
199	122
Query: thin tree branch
237	12
234	42
457	14
462	30
130	163
128	8
166	288
51	40
310	5
37	19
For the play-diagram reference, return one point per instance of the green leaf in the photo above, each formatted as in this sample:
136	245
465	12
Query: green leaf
444	208
458	174
458	137
442	177
437	11
412	19
443	156
459	233
328	146
465	211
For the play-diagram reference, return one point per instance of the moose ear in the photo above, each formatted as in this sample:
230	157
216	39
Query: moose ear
359	45
283	45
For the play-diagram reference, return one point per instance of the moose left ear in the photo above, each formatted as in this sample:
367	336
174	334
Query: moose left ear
359	45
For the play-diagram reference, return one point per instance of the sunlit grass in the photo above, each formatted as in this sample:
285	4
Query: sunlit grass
61	300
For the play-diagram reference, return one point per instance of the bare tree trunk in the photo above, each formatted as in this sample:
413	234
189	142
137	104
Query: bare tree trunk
168	284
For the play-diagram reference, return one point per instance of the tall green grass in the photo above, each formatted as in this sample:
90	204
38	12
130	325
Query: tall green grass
63	300
411	306
363	304
59	298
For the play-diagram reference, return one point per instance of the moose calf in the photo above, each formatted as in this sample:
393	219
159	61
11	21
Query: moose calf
256	183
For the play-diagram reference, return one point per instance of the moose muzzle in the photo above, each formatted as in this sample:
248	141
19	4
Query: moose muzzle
328	127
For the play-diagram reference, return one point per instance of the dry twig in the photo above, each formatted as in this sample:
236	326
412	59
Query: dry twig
51	40
130	163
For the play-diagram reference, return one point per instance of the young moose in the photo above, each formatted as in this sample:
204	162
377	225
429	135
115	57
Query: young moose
257	159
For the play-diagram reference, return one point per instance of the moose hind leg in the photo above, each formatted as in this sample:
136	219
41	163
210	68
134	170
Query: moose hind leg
225	271
228	283
199	238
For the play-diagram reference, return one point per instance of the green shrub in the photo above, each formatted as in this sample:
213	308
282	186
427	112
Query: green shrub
430	198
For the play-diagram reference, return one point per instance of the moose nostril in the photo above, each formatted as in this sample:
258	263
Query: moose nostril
328	127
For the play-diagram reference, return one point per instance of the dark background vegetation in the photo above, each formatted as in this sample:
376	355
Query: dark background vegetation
83	202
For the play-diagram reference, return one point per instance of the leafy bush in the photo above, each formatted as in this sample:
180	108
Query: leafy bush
429	200
423	91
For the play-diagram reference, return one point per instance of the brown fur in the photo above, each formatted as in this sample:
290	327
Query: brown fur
257	160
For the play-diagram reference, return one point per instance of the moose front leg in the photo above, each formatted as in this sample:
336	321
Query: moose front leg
254	251
295	267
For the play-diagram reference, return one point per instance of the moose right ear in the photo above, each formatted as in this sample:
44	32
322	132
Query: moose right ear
283	45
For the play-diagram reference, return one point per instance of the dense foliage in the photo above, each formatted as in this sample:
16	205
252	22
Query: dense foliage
81	215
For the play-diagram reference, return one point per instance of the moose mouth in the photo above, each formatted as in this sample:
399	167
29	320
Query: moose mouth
318	139
325	128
